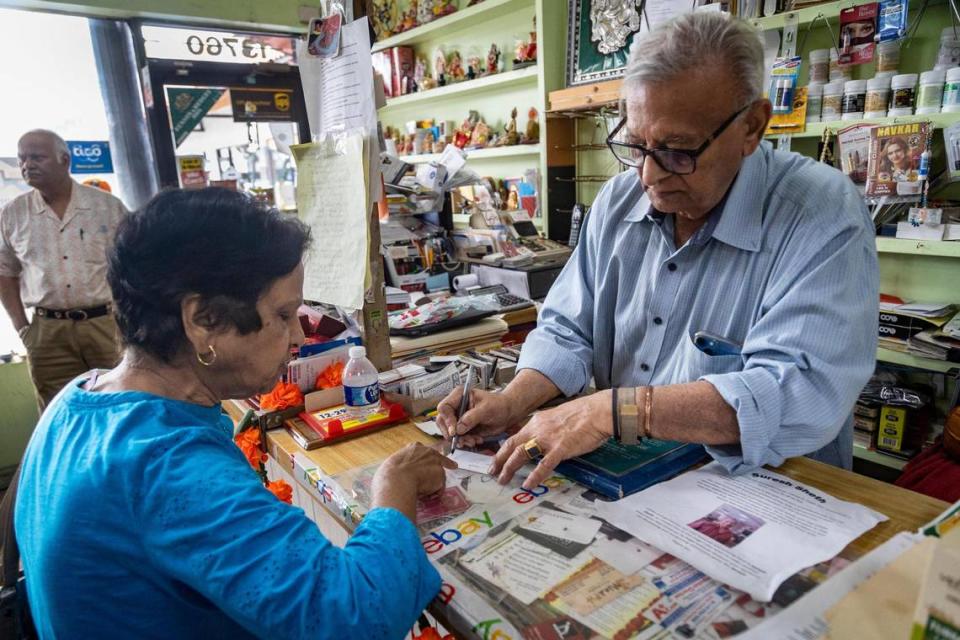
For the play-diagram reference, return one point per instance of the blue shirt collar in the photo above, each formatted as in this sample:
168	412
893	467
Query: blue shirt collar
739	224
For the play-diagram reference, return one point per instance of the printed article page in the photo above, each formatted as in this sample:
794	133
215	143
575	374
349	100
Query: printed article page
751	532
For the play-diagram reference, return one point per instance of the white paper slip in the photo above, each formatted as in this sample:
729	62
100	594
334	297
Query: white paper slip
470	461
429	427
560	525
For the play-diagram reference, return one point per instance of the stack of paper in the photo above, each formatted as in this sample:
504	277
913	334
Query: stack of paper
484	332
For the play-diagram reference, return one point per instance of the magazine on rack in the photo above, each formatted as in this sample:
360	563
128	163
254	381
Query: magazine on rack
894	163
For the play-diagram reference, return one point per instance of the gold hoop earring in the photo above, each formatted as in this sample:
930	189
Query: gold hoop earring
211	354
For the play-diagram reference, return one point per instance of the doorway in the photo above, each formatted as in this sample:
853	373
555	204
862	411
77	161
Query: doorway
228	123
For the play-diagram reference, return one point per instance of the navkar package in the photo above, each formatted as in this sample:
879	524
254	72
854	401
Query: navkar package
895	158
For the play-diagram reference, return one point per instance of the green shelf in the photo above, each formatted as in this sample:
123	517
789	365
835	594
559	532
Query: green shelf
461	19
481	154
498	80
909	360
942	248
862	453
815	129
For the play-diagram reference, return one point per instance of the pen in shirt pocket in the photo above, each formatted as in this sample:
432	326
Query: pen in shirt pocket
714	345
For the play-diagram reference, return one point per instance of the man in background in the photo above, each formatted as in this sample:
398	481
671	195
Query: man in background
53	257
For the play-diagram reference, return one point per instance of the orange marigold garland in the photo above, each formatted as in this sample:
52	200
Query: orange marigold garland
330	377
282	490
248	441
283	396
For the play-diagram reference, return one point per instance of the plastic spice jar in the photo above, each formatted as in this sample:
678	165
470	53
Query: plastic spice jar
888	55
903	96
949	54
819	65
951	91
854	97
878	95
832	104
836	71
814	101
930	94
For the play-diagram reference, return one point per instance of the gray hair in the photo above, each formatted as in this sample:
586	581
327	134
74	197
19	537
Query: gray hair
59	145
692	40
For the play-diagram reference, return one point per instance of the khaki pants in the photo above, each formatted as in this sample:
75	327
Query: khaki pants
60	350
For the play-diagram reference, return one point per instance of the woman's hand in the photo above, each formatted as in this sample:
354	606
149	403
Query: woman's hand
412	472
567	431
488	414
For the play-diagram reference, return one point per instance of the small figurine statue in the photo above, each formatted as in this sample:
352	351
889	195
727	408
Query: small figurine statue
525	53
427	144
510	136
464	133
532	134
407	145
513	199
440	66
425	11
455	69
384	18
493	59
443	8
440	145
420	74
480	135
473	67
409	20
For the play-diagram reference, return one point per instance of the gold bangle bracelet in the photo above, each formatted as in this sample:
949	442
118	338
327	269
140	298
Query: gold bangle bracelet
647	410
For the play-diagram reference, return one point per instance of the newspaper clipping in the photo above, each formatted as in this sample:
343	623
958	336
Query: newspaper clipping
751	532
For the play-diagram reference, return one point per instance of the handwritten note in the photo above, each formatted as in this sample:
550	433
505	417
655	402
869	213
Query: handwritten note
331	199
338	92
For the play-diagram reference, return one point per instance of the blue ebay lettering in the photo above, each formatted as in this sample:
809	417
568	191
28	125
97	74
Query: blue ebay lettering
437	541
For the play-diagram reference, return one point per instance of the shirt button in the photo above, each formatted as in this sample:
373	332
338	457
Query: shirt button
64	257
644	367
658	320
68	286
672	266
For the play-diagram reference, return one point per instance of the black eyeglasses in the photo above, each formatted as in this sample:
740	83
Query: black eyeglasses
677	161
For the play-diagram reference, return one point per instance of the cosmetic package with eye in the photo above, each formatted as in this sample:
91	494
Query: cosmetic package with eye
858	26
783	82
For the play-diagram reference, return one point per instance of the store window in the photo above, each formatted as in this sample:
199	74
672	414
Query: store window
52	85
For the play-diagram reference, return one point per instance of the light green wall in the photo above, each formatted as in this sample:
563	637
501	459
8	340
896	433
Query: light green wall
19	414
275	15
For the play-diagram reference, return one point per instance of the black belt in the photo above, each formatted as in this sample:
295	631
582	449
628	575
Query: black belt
73	314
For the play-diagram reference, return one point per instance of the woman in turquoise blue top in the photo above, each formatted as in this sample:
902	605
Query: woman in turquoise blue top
137	515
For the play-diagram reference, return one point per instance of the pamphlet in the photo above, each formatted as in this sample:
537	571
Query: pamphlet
894	162
751	532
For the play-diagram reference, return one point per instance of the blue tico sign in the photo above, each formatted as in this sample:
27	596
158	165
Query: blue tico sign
88	156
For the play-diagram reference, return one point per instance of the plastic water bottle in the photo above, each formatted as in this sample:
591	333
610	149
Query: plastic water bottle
361	384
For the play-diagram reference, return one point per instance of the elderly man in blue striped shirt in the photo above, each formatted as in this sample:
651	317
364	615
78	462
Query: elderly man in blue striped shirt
711	231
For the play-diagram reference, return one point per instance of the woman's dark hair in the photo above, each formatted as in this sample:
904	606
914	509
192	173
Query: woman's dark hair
214	242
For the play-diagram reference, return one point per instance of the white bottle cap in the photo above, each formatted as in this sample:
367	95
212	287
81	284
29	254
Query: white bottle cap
358	352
